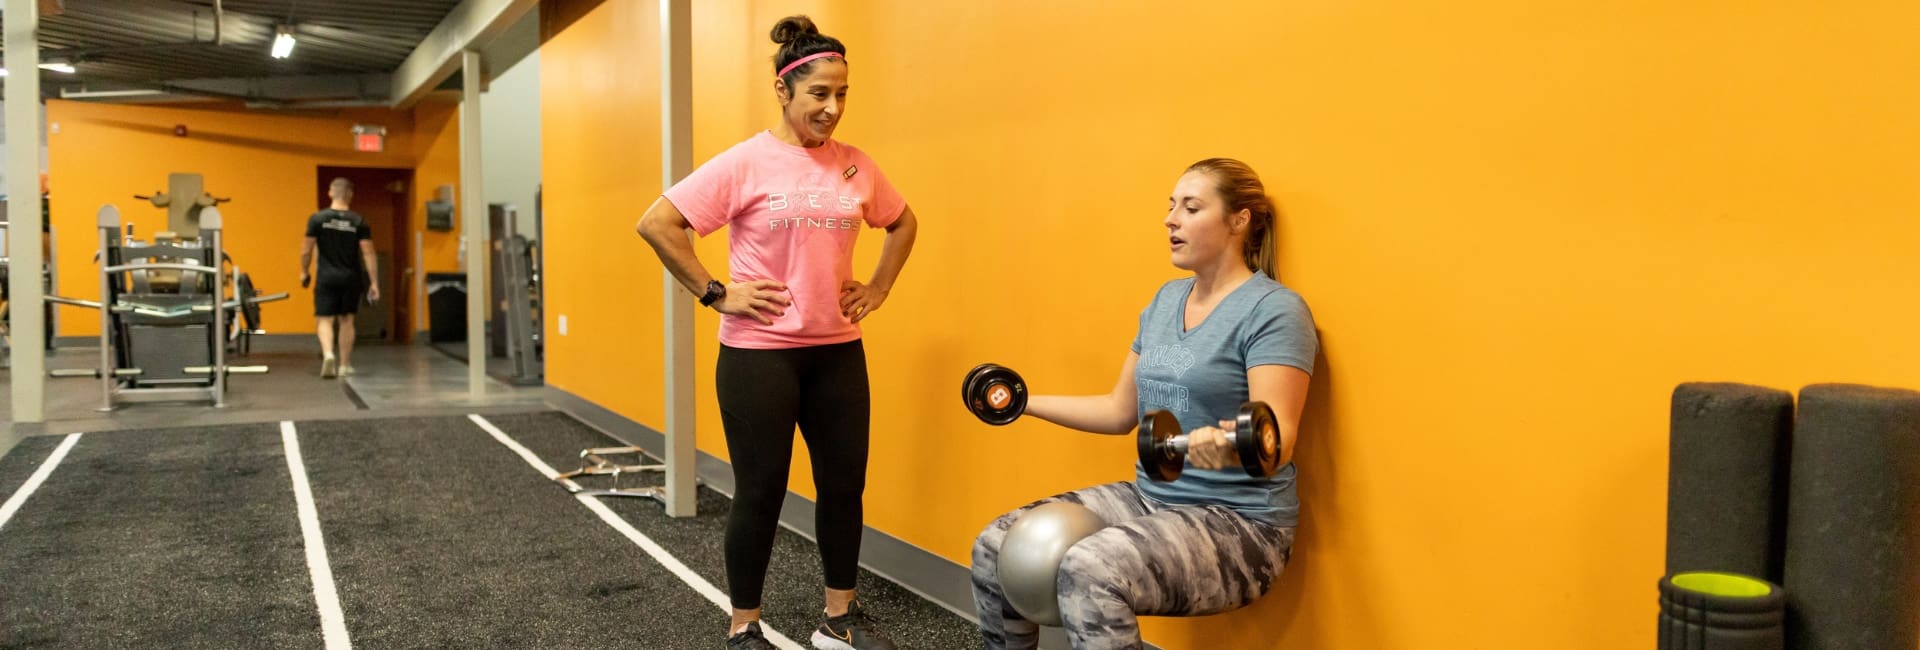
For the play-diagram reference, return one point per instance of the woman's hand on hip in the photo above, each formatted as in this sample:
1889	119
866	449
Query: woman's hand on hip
761	300
857	300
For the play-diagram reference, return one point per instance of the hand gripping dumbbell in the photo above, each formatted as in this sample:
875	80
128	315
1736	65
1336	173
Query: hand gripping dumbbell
1163	445
994	393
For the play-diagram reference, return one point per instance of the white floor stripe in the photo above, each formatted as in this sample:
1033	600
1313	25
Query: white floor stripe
333	622
39	476
659	554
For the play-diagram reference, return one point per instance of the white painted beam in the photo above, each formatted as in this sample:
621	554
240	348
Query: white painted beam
28	320
473	224
469	26
676	161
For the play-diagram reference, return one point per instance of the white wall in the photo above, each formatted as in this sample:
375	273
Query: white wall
510	138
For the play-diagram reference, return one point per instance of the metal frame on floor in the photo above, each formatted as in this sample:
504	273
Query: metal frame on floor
594	462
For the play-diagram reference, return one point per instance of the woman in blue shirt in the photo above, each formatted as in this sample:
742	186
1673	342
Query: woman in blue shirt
1215	539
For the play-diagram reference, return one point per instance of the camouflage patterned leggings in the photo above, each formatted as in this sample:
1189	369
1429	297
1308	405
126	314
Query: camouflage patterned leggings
1143	563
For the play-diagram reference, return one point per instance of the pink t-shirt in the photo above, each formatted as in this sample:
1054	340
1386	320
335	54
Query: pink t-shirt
795	213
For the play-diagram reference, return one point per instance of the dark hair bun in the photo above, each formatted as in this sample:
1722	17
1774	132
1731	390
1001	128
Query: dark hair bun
791	28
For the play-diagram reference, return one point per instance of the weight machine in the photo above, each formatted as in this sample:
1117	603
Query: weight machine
166	317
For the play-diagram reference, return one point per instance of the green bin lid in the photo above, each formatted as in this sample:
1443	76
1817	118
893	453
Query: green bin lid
1722	584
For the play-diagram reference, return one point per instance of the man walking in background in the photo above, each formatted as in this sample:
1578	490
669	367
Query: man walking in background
347	266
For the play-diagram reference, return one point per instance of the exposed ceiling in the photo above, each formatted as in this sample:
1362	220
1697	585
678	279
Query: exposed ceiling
148	49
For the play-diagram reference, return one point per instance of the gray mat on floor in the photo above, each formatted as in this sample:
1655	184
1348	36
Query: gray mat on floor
20	462
438	537
145	539
441	537
792	599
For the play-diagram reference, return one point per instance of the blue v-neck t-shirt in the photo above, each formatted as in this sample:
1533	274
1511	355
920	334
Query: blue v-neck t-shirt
1200	374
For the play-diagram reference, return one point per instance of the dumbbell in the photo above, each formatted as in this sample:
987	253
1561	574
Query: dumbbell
1163	445
994	393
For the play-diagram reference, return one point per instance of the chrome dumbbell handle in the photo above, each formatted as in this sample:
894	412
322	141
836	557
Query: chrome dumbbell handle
1181	442
1163	446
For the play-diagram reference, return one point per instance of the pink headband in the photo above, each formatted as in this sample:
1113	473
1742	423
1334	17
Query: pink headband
803	61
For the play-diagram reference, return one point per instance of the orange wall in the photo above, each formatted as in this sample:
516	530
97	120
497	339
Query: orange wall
106	153
600	135
436	146
1519	225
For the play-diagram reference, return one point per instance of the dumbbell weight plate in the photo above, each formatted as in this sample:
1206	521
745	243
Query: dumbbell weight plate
996	394
966	385
1257	437
1158	458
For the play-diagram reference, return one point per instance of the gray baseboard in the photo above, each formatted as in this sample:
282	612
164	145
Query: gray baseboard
937	579
75	341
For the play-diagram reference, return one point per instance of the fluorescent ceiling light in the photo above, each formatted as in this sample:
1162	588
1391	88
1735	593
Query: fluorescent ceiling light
103	94
56	67
282	41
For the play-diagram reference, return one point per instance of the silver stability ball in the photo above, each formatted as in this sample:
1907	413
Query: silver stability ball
1030	556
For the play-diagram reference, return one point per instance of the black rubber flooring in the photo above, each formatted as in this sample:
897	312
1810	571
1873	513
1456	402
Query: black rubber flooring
438	536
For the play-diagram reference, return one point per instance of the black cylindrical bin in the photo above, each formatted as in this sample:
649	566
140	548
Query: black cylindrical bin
1705	610
446	307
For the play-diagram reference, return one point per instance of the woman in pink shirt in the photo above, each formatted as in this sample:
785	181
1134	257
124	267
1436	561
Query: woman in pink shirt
793	200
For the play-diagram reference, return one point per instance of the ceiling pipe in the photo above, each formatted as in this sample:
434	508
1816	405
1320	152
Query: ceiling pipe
176	89
318	103
81	53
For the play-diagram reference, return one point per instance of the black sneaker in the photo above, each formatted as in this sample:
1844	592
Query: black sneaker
853	630
750	639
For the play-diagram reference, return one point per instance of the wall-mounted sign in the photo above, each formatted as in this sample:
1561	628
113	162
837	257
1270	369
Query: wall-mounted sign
369	138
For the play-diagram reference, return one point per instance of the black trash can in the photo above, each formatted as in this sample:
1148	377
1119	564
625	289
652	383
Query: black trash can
446	307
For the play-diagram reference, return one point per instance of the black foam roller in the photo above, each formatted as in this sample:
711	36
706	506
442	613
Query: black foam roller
1853	520
1727	479
1695	620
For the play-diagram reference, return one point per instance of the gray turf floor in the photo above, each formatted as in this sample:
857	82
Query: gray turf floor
438	537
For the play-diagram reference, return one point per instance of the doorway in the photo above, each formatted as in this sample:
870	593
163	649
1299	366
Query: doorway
382	196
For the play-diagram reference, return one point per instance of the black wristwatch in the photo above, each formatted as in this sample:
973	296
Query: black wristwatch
715	291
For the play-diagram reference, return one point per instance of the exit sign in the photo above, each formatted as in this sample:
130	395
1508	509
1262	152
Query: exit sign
369	138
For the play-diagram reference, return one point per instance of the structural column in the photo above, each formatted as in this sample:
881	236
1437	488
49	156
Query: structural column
28	322
473	222
676	161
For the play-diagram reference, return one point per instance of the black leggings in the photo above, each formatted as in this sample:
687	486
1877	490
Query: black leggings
763	394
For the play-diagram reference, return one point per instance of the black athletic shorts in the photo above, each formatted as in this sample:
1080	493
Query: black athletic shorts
338	295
